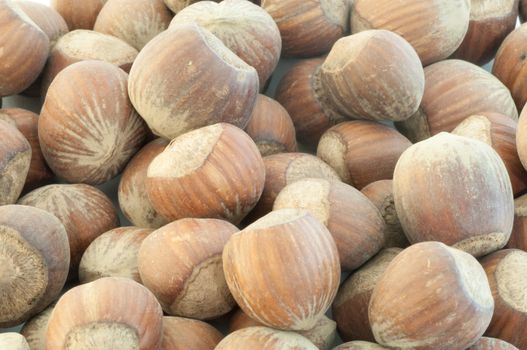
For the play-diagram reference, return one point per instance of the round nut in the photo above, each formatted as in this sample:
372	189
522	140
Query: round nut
113	254
133	198
506	271
354	222
212	172
455	90
181	264
350	308
374	74
78	14
88	128
434	28
261	338
300	92
110	313
15	161
308	28
168	99
300	249
245	28
85	212
34	261
448	283
362	152
35	329
473	212
46	18
485	343
133	21
521	138
25	49
187	334
271	127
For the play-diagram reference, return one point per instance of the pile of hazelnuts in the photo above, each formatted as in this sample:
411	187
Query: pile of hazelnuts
368	194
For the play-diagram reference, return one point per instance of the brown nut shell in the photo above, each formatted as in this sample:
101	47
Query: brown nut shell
245	28
113	254
271	127
473	212
88	128
35	257
85	212
34	330
27	123
262	338
455	90
202	69
110	313
434	28
25	49
186	334
431	296
485	343
133	21
212	172
300	92
309	28
375	75
133	198
302	269
181	264
362	152
354	222
359	345
46	18
15	161
78	14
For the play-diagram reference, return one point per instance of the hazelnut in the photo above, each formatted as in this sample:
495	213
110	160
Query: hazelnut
186	334
212	172
88	128
509	62
499	132
305	273
22	42
380	193
299	91
506	271
110	313
181	264
323	335
354	222
35	329
84	45
271	127
473	212
374	74
350	308
34	261
434	28
201	69
113	254
431	296
485	343
84	211
490	22
518	237
178	5
13	341
245	28
521	138
46	18
359	345
262	338
15	160
133	198
135	22
285	168
455	90
78	14
27	123
362	152
308	28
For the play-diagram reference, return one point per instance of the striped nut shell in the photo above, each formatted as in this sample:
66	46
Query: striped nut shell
88	128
